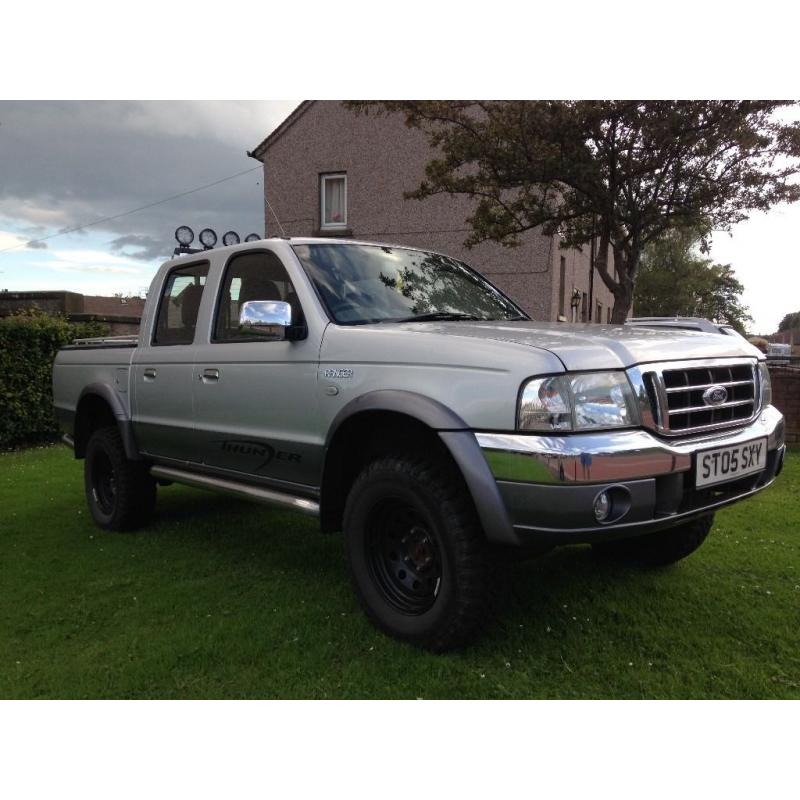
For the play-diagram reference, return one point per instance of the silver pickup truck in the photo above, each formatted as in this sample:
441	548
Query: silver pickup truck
399	397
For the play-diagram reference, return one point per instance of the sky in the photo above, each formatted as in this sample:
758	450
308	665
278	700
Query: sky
66	163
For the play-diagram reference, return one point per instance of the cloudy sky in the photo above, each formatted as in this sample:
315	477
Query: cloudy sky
63	164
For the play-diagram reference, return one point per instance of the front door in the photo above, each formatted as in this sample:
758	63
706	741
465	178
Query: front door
255	399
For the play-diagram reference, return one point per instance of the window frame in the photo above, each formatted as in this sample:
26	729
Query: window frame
252	339
323	179
177	268
562	287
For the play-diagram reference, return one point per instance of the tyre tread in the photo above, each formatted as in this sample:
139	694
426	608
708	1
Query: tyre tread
460	519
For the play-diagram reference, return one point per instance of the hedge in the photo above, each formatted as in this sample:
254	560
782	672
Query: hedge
29	342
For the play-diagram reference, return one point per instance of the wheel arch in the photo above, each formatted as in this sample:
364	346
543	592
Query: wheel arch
99	405
377	420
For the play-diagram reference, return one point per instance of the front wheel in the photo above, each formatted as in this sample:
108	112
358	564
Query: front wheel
415	552
120	493
661	548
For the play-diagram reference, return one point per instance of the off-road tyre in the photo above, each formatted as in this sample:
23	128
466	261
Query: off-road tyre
662	548
416	553
120	493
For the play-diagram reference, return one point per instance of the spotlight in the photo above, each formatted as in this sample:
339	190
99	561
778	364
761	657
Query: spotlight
208	238
230	237
185	235
252	237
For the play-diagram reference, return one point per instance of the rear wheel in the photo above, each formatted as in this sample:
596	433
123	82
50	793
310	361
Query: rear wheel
120	493
661	548
415	552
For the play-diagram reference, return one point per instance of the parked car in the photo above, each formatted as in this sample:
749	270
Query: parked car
404	400
779	353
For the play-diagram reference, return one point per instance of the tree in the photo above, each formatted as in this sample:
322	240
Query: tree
790	321
620	173
676	280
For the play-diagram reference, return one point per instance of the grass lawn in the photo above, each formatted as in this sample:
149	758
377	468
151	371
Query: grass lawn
219	598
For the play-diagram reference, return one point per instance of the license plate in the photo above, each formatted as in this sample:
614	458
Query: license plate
729	463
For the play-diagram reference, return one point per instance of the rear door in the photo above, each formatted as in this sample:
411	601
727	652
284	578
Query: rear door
163	368
255	399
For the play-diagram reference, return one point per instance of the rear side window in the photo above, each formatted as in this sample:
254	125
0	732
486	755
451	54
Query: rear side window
180	304
252	276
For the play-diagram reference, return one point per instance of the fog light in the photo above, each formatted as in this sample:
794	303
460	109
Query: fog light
602	506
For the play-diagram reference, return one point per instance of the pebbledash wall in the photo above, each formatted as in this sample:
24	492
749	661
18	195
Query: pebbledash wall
786	398
382	158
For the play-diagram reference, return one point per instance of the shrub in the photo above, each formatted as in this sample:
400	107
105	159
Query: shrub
29	342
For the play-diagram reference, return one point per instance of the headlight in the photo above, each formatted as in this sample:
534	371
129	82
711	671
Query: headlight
766	384
577	402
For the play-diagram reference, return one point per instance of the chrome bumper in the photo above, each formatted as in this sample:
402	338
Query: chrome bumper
610	455
548	484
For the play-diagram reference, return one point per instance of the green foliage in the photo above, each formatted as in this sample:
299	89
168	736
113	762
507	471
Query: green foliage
790	322
29	342
674	280
219	598
617	172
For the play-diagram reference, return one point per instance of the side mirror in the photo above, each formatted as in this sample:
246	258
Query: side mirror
265	318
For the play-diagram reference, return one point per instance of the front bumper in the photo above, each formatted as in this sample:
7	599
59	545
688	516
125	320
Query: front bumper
549	483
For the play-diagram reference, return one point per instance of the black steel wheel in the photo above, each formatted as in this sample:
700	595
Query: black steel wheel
403	556
104	482
415	551
120	493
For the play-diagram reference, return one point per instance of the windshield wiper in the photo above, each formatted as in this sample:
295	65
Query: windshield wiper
437	316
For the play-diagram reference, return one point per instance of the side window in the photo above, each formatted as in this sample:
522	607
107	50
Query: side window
179	305
252	276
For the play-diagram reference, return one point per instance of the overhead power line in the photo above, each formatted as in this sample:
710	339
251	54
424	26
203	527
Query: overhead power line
132	211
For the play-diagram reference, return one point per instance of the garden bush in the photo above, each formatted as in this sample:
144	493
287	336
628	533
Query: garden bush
29	342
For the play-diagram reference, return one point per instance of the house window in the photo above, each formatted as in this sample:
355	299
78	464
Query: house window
608	314
562	287
585	307
333	201
598	316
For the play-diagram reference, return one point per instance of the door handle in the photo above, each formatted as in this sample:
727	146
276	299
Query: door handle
150	373
209	375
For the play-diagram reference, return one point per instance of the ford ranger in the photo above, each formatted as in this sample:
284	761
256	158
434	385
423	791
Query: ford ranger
404	400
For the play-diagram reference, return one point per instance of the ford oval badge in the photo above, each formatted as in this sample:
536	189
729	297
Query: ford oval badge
715	395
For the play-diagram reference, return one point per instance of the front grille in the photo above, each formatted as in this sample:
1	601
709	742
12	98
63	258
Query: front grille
675	393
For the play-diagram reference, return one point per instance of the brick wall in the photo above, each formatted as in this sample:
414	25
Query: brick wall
121	315
786	398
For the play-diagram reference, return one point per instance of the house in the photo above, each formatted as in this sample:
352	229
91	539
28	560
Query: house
331	172
121	314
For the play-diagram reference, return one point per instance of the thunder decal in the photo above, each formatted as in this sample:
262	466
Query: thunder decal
248	449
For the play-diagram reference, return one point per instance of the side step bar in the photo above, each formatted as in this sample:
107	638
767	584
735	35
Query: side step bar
261	495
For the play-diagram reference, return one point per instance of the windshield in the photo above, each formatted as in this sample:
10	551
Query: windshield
362	283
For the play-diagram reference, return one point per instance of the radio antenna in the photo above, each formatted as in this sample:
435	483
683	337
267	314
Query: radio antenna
269	206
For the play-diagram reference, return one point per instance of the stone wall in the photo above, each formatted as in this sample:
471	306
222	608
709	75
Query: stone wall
786	398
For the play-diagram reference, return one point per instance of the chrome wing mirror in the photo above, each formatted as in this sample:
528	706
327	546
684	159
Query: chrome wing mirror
265	318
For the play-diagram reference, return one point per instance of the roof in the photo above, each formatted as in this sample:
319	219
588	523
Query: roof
258	151
199	255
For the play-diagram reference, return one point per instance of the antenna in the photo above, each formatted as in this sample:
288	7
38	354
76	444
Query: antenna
269	206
